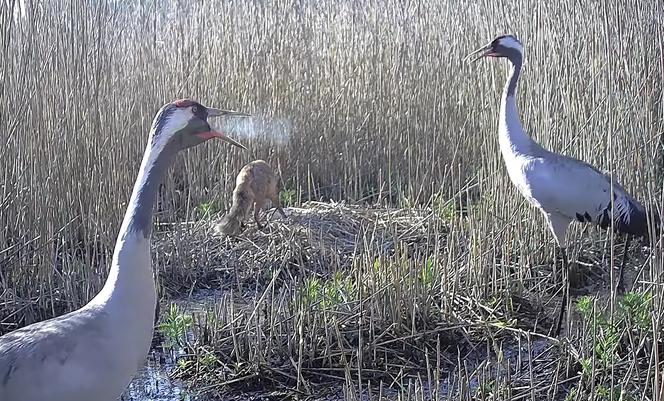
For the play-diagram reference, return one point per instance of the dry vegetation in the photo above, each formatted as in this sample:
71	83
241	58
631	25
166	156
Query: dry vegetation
378	109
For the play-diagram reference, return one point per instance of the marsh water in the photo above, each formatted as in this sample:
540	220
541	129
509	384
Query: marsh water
153	381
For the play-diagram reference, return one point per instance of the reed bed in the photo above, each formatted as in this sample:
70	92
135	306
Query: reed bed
361	102
339	301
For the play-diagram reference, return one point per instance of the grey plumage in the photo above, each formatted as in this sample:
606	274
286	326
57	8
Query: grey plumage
620	210
564	189
92	353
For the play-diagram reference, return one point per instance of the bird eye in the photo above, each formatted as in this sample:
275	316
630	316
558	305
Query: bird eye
194	109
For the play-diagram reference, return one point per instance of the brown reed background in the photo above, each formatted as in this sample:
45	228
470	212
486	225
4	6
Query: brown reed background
373	96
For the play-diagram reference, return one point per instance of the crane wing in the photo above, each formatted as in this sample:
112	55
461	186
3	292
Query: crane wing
579	191
39	362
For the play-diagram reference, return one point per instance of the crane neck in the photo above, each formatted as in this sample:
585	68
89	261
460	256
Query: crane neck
513	139
130	283
516	61
138	217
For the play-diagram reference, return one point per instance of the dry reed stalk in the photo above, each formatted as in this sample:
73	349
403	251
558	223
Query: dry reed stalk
377	107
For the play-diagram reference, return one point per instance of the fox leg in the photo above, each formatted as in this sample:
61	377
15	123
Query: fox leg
258	205
277	204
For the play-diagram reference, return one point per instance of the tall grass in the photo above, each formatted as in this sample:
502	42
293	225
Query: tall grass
384	299
375	99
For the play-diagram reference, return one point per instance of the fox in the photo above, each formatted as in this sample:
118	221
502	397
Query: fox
255	184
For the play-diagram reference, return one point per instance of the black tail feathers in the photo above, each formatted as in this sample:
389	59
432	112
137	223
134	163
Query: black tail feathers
633	219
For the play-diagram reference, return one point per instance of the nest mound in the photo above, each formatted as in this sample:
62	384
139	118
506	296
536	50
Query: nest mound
318	237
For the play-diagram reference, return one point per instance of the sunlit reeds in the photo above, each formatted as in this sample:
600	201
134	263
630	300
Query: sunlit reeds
377	108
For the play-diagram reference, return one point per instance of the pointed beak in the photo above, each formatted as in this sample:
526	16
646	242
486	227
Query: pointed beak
216	134
225	113
482	51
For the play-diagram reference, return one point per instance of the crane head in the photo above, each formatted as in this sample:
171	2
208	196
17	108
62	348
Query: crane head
502	46
185	123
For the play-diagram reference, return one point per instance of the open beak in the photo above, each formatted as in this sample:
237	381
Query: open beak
483	52
219	135
216	134
225	113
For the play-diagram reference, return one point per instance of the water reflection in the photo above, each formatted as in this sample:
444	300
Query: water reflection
152	381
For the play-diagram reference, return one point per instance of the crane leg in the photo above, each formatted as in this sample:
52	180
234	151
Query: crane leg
620	288
157	310
565	300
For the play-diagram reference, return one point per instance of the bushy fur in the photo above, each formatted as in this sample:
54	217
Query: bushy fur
255	184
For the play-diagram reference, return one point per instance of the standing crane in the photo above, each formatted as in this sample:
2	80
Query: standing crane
562	188
93	352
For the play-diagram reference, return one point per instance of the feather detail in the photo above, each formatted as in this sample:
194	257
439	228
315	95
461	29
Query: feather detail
628	216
